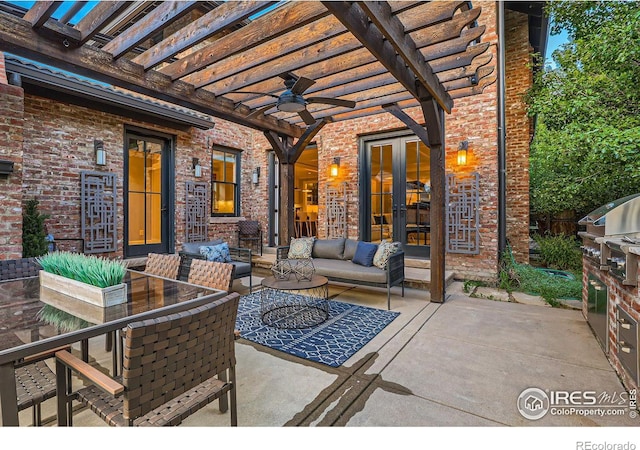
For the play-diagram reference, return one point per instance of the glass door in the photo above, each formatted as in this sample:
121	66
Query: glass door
147	188
398	193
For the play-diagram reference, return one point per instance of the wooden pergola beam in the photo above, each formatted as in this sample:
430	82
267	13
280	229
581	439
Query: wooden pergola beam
40	12
394	32
17	36
98	17
218	19
288	17
154	22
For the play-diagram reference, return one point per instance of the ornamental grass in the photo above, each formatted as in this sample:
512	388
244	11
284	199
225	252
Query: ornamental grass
93	270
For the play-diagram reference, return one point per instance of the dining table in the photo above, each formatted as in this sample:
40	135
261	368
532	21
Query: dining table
35	319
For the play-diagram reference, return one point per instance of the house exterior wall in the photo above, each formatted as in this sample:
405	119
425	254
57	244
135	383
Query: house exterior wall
58	137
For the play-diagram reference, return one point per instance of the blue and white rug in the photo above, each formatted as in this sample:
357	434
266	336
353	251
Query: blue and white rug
348	328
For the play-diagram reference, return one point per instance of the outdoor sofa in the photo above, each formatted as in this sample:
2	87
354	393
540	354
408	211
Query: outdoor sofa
334	259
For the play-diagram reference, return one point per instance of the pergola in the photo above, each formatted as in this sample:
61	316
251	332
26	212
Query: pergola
385	56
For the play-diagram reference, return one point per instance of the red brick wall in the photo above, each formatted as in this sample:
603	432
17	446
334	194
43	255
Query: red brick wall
11	141
518	79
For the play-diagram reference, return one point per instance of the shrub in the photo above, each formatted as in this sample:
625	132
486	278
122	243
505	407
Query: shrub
100	272
560	252
528	279
34	241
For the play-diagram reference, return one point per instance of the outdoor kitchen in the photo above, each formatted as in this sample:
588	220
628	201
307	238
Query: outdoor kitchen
611	302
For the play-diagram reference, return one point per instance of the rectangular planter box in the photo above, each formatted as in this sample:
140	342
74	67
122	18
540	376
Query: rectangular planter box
113	295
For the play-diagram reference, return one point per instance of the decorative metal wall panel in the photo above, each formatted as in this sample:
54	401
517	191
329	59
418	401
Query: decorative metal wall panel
197	219
98	211
463	215
337	211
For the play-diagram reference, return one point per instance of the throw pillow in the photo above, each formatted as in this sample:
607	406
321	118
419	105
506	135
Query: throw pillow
365	253
385	249
301	248
218	253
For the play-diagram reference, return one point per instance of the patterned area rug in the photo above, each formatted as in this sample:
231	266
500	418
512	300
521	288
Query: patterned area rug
348	328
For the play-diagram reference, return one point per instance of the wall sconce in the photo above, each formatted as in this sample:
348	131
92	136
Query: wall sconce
462	153
334	167
101	154
197	168
255	176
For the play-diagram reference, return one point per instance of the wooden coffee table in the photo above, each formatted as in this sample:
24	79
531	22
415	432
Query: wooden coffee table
294	304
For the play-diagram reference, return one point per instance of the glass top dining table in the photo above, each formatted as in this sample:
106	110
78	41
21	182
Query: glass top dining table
35	319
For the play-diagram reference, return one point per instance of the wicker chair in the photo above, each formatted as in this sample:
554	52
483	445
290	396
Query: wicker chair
174	365
167	266
211	274
249	231
12	269
35	382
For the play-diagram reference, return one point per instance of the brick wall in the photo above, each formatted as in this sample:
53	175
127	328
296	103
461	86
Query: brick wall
519	79
11	149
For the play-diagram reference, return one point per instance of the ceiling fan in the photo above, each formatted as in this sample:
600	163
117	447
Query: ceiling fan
291	100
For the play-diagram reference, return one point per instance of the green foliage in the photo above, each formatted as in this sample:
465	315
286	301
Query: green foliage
525	278
560	252
100	272
33	232
586	151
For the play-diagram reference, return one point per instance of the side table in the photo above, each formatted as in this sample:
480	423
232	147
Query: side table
294	304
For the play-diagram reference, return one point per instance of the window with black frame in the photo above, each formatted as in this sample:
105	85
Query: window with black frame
225	186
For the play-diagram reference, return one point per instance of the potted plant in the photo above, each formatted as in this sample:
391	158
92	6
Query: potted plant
89	278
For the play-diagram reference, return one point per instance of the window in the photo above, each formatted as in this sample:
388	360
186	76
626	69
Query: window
225	189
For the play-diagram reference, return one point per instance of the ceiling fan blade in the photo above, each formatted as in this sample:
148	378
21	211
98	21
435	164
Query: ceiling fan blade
302	84
252	92
255	113
307	117
332	101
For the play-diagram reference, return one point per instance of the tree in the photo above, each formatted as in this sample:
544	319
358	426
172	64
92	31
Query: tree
586	151
34	241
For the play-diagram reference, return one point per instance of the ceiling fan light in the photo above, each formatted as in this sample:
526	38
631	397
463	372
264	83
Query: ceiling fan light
290	102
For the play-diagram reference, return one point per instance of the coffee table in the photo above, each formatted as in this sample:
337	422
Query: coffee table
294	304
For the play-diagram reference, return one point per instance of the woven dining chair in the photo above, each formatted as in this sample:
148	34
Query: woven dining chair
167	266
173	366
216	275
249	231
35	382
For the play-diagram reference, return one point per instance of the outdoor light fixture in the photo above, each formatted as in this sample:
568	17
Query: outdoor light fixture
333	168
462	153
255	176
197	168
101	154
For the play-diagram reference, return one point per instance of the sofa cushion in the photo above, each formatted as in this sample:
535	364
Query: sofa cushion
328	248
301	248
365	253
385	249
242	268
218	253
349	249
349	272
194	247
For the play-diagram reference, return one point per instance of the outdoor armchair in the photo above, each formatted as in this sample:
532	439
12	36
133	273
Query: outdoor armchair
173	366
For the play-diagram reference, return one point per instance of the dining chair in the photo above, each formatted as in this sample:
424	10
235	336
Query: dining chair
213	274
163	265
173	366
35	382
249	231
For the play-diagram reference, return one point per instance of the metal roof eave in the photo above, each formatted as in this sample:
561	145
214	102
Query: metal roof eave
66	83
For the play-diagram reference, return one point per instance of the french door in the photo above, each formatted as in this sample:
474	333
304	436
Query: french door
149	193
396	194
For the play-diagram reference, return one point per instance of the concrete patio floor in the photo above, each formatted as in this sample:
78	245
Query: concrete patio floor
460	363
